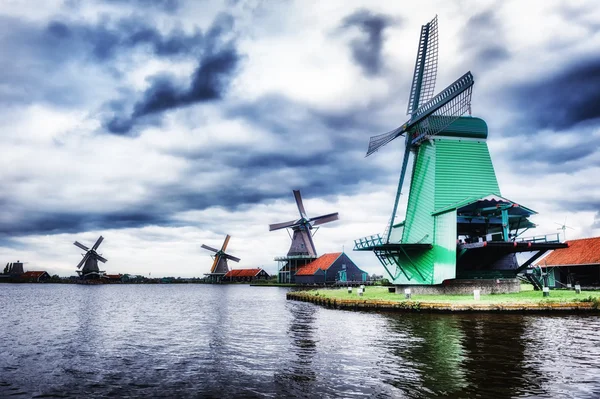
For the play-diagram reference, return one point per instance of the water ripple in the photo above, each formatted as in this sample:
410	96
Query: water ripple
239	341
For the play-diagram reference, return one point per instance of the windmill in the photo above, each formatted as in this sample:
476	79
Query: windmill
428	116
564	228
302	250
302	241
219	267
90	260
457	225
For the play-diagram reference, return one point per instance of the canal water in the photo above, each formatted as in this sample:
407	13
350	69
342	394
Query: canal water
240	341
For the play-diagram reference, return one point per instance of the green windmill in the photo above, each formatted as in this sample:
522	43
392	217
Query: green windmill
457	224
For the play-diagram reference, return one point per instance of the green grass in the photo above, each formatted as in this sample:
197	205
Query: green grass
528	296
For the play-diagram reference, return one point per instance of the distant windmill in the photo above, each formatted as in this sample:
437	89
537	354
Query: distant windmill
302	242
90	260
564	228
219	267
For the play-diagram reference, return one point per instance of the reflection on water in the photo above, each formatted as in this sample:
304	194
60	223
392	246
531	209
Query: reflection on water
240	341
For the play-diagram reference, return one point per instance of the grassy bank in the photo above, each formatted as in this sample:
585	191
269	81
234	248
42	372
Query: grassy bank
382	294
378	298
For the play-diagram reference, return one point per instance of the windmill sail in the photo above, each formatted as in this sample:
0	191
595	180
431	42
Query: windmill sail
444	108
376	142
434	116
302	242
219	265
423	84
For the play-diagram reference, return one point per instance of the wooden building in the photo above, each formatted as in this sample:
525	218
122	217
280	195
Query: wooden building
246	275
330	268
579	263
35	276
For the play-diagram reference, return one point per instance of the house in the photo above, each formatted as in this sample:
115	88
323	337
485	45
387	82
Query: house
113	278
35	276
330	268
246	275
579	263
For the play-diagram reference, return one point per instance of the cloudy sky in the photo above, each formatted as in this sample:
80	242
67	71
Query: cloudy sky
166	124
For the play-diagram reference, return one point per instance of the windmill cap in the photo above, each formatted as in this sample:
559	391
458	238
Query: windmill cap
467	127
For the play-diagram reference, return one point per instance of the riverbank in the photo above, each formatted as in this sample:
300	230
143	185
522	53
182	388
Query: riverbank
379	299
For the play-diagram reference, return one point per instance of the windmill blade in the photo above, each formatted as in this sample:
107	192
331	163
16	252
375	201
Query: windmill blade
423	84
98	242
376	142
85	257
319	220
209	248
233	258
299	204
225	243
80	245
215	262
283	225
101	258
443	109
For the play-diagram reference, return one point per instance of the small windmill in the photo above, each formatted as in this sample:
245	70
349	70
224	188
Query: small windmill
302	239
564	228
90	260
428	116
219	267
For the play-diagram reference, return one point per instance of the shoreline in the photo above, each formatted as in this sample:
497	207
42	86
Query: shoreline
496	304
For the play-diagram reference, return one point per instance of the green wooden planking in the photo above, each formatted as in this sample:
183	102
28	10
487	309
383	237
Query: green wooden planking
418	226
454	166
463	170
444	247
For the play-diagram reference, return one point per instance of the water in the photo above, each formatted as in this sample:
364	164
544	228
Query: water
241	341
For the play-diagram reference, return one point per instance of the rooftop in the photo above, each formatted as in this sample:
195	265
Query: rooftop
585	251
33	274
323	263
243	272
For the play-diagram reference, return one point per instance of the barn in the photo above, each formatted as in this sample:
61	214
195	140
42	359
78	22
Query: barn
579	263
246	275
329	269
35	276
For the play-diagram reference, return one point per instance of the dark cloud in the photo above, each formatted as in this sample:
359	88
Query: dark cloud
367	49
164	5
483	44
562	101
582	204
320	154
49	62
551	158
217	66
108	39
71	222
209	82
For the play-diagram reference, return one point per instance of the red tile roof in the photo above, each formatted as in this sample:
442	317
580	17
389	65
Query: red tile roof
243	273
32	274
323	262
114	276
585	251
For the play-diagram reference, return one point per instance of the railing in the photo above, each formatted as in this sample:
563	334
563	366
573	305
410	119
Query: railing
548	238
368	242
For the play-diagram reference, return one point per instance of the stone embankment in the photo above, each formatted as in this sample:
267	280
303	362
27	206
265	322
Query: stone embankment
420	306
